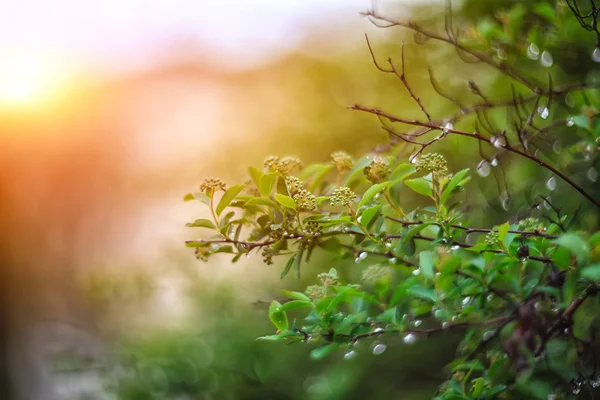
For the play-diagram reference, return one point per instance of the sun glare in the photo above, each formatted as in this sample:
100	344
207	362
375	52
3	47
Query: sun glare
27	80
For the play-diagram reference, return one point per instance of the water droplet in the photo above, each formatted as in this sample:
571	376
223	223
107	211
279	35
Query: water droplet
494	162
413	159
377	196
592	174
596	55
483	169
357	260
505	202
501	53
417	323
490	297
439	314
488	335
455	247
273	227
544	112
379	349
363	255
411	338
576	390
416	272
359	219
569	100
454	318
448	127
346	229
215	247
498	141
388	245
546	59
570	122
393	260
445	325
533	51
350	355
466	300
557	146
378	330
551	183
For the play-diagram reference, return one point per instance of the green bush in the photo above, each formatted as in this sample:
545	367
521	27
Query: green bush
417	256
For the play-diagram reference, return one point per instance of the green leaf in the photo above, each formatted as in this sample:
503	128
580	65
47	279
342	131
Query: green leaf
285	201
228	197
256	175
202	223
272	338
197	196
371	192
266	184
422	293
426	261
323	351
456	179
575	244
295	295
503	230
591	272
420	186
288	266
261	201
290	305
367	215
357	169
278	316
320	175
401	172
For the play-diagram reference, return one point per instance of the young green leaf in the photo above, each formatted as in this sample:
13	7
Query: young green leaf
266	184
456	179
285	201
420	186
202	223
371	192
228	197
278	316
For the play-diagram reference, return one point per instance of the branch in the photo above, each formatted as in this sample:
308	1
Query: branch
476	136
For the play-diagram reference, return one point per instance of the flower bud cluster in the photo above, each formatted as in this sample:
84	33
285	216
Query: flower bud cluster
315	291
434	163
376	273
305	200
211	185
492	239
284	166
327	279
342	196
342	160
293	184
377	171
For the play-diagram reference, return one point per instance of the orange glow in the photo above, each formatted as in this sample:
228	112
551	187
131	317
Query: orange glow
27	80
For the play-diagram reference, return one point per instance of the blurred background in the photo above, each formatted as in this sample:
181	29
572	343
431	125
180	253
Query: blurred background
111	111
